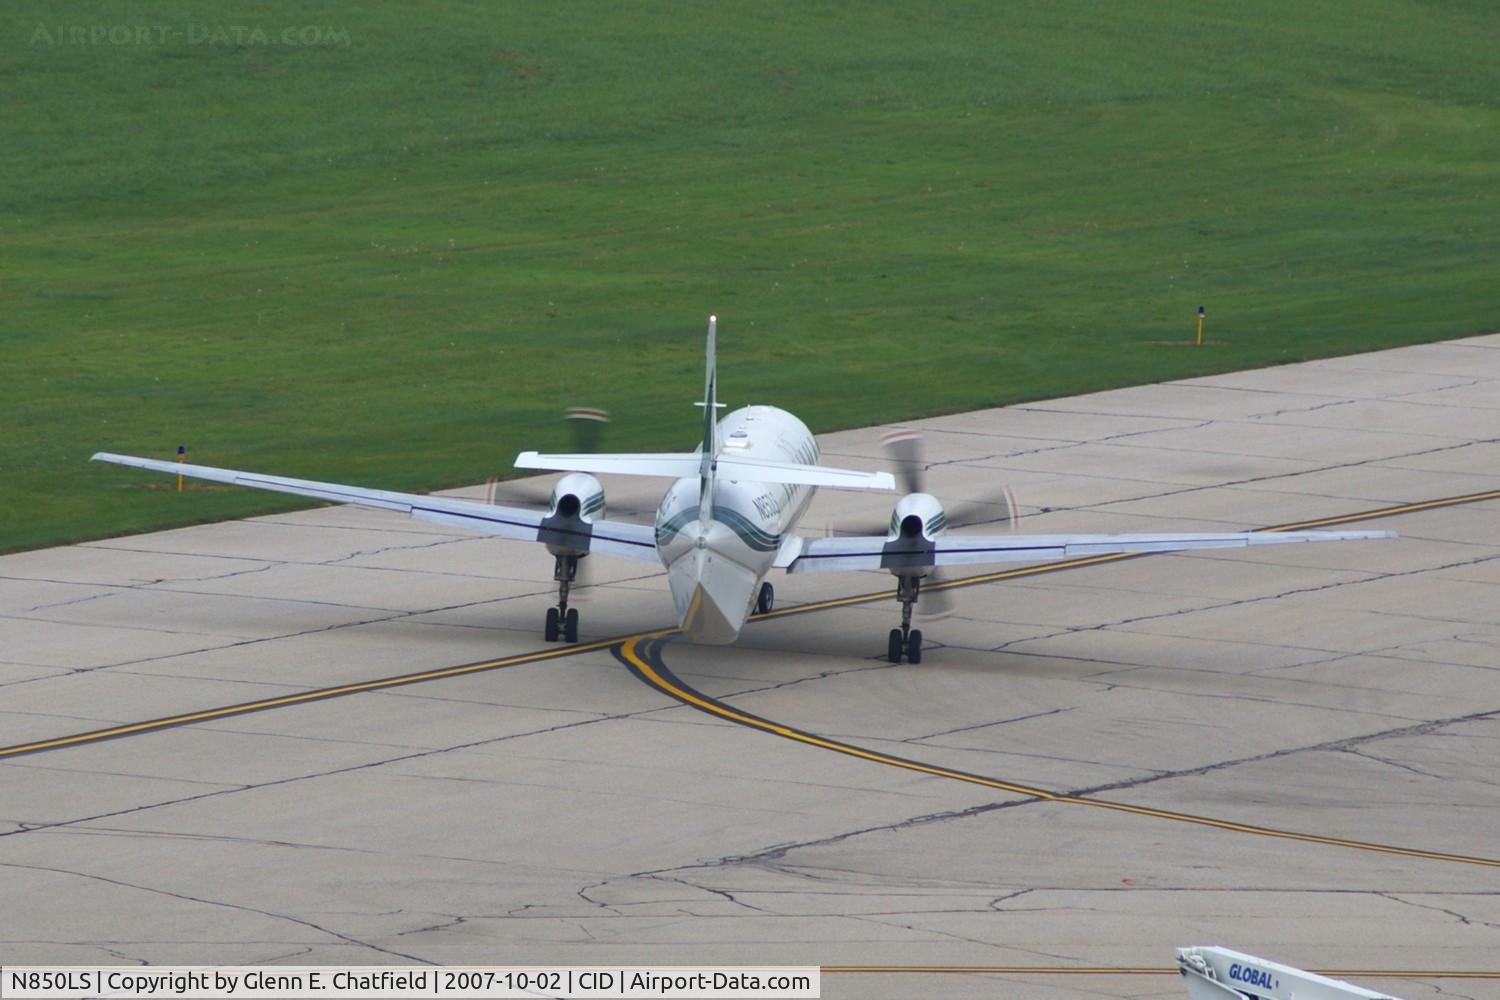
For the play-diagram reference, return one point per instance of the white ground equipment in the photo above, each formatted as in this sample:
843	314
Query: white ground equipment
1215	973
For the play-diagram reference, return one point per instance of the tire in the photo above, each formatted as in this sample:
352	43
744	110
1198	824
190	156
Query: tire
766	600
550	632
893	647
570	625
914	646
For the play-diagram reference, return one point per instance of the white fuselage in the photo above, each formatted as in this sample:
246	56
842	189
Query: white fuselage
715	569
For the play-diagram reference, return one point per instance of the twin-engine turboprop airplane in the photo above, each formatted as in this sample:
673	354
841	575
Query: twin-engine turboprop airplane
728	519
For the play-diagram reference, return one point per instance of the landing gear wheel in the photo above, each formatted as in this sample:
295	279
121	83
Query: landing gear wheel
906	640
765	600
563	619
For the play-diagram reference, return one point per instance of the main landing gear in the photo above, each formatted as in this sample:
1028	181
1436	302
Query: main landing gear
563	620
765	600
906	639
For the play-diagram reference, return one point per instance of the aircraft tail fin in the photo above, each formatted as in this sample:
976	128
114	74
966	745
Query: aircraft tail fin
708	461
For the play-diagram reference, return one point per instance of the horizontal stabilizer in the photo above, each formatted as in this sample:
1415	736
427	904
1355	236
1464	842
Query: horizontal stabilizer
683	466
669	465
762	471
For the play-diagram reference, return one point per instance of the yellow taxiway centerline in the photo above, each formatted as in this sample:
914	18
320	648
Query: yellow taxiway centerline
652	674
243	708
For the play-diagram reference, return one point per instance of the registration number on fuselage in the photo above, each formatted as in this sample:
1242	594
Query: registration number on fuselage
766	505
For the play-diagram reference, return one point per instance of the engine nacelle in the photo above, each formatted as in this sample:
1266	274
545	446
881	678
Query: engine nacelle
918	516
577	494
910	547
577	500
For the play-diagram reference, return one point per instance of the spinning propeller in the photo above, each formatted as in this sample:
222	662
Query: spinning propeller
906	450
586	425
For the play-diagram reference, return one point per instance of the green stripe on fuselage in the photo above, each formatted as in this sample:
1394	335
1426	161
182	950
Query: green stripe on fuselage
751	534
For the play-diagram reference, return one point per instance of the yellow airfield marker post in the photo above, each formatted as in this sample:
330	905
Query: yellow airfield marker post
1199	341
181	457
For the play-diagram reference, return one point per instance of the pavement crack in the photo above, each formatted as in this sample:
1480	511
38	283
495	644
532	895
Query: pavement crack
452	920
583	894
882	664
986	725
767	857
1331	746
410	547
217	903
908	924
1390	763
1303	409
1461	918
1182	424
1275	476
994	904
721	893
1258	599
25	828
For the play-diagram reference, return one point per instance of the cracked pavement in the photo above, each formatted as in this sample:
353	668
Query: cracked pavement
562	812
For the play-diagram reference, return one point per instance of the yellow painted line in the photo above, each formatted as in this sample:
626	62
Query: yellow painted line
1127	970
319	694
1265	831
1406	508
630	652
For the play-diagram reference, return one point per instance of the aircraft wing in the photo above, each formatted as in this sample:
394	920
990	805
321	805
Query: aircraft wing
630	541
833	555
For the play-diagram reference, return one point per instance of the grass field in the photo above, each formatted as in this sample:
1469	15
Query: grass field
389	246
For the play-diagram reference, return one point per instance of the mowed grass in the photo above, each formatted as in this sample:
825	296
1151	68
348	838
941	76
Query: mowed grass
393	254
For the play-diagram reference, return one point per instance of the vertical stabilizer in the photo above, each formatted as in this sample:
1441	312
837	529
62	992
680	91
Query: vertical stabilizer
710	430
